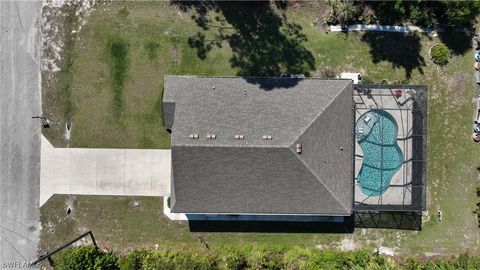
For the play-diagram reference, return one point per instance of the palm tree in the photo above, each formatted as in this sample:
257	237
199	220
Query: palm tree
347	11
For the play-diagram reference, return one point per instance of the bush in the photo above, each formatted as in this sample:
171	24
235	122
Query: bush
268	259
123	13
133	260
167	259
440	54
419	12
367	80
460	12
90	258
106	261
86	258
297	257
235	260
343	12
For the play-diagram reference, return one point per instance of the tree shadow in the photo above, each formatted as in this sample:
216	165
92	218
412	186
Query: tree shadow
456	40
263	41
400	49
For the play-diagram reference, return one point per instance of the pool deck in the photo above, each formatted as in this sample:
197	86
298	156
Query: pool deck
399	192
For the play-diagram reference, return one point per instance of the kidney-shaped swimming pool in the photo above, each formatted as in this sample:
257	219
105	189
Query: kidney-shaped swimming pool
376	132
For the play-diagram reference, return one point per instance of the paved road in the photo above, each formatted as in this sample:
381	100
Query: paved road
123	172
19	133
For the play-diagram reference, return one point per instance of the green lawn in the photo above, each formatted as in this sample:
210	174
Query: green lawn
157	37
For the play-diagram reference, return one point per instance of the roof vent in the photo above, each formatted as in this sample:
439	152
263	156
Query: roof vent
193	136
267	137
213	87
211	136
244	92
299	148
239	136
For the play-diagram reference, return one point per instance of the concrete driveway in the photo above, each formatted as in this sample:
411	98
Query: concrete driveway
93	171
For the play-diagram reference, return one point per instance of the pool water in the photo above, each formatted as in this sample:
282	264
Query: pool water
382	157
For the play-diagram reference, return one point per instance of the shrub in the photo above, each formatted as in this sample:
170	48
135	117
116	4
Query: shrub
460	12
167	259
440	54
343	12
106	261
123	13
420	12
90	258
347	12
326	260
76	258
133	261
86	258
268	259
297	257
235	260
367	80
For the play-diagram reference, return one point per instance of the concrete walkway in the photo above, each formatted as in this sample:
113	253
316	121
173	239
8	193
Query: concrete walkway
93	171
383	28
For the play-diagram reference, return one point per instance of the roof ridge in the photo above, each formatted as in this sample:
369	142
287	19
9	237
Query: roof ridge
233	146
256	77
318	115
318	179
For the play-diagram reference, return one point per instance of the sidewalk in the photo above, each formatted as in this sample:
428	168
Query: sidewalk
93	171
383	28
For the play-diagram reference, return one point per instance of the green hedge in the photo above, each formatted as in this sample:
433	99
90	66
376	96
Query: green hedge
89	258
419	12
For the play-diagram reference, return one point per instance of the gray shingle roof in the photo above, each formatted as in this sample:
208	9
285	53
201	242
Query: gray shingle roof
254	175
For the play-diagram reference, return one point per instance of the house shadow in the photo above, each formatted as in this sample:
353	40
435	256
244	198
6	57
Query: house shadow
347	226
400	49
398	220
384	220
262	40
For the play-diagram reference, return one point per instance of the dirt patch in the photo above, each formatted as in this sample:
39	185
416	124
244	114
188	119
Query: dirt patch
347	244
61	22
175	55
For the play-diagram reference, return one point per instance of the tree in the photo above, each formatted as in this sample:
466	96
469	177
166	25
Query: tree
460	13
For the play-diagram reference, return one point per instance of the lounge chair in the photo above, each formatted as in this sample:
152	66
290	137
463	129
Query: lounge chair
402	100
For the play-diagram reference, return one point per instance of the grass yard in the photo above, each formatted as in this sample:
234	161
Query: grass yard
115	83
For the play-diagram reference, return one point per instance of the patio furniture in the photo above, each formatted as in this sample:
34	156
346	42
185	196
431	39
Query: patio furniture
476	138
476	128
367	119
476	116
402	100
398	92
